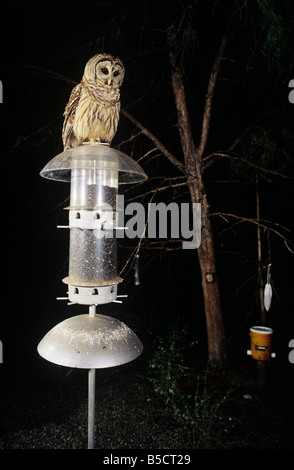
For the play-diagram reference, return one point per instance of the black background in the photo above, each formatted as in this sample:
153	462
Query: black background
44	47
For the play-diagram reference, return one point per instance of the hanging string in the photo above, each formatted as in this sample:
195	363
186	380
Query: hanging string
137	268
269	248
268	274
267	296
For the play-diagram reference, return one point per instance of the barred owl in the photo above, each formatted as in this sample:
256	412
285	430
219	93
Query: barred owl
92	112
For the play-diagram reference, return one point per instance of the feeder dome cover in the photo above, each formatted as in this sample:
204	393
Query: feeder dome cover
90	343
92	156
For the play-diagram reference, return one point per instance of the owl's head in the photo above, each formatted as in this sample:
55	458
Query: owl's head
106	69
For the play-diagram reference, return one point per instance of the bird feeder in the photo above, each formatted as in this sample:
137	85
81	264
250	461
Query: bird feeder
92	341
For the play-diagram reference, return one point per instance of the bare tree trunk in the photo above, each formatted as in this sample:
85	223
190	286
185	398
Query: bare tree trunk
193	169
210	286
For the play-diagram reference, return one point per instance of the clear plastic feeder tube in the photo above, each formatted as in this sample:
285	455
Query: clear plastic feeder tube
92	256
94	171
92	215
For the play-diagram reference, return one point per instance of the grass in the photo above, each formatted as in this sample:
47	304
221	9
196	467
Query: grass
183	392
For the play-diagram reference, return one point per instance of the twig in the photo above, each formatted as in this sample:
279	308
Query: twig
148	153
51	74
249	163
156	141
259	223
209	96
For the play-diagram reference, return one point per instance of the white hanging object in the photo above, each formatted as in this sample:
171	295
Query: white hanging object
267	296
268	292
137	269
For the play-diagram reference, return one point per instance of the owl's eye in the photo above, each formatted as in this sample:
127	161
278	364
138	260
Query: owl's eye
104	71
116	73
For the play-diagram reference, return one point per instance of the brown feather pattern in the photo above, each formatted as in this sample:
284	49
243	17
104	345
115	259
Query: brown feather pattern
92	112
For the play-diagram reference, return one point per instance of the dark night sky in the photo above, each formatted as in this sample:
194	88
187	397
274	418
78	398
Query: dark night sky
44	46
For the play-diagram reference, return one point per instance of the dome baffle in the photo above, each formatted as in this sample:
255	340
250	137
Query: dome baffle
90	343
90	155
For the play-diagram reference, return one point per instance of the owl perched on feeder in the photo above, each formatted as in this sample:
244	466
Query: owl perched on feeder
92	112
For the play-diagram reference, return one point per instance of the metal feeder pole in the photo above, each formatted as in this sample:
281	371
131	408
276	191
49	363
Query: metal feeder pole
91	396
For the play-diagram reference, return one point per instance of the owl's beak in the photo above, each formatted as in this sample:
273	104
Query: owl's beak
109	81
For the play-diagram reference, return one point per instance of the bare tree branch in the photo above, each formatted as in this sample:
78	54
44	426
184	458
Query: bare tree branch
209	96
183	118
50	74
156	141
259	223
249	163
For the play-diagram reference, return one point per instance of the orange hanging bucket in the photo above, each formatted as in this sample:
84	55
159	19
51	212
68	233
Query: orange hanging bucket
261	341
